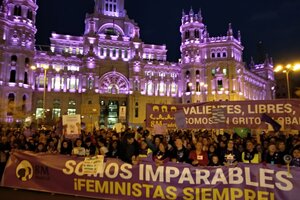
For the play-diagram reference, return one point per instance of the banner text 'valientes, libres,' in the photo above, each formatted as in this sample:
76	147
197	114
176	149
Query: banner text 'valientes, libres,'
235	114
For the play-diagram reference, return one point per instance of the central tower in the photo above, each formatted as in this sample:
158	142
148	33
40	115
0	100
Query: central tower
110	7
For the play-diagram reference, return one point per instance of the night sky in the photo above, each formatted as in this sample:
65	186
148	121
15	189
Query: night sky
274	22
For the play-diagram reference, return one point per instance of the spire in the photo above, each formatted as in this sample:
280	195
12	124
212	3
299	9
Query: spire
200	14
252	63
183	13
239	36
191	13
271	61
229	32
267	61
206	34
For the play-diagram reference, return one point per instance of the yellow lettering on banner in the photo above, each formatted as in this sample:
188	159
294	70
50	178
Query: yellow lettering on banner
158	193
120	188
101	188
128	188
236	193
78	169
90	185
147	187
136	190
188	193
272	196
81	184
197	193
262	195
206	194
223	196
75	183
171	192
249	194
69	167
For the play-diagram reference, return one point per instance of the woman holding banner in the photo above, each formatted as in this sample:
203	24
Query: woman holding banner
198	156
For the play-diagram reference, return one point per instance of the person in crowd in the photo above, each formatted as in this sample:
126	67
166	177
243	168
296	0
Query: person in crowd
296	157
211	151
129	148
78	148
179	154
214	161
40	148
161	156
205	144
30	145
144	150
114	149
282	151
90	148
52	147
198	157
250	155
272	156
66	148
230	156
101	147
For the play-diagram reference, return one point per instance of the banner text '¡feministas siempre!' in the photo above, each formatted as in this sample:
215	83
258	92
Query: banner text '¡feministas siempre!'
235	114
114	179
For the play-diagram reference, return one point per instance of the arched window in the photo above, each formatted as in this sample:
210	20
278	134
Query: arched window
17	11
150	88
24	103
12	78
136	85
198	89
187	73
27	62
187	34
29	14
224	55
11	97
219	55
174	88
188	87
26	78
11	102
13	60
213	55
197	72
220	84
90	83
196	33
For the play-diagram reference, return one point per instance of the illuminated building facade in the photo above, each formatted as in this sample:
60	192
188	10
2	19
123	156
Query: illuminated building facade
109	74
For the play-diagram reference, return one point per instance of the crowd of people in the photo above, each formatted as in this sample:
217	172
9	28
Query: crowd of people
196	147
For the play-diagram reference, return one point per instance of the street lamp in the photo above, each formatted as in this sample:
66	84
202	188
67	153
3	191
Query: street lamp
286	69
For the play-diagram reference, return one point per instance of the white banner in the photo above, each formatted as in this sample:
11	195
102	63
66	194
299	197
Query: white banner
71	125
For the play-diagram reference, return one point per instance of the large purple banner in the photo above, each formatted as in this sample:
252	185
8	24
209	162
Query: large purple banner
113	179
227	114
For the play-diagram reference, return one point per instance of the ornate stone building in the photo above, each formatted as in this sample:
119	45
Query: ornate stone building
109	74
